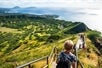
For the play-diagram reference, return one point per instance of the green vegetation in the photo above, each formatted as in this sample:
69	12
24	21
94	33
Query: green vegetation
27	37
5	29
93	35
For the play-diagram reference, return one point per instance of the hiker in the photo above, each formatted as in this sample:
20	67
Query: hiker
81	42
66	59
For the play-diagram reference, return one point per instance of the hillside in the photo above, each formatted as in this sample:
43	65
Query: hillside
25	37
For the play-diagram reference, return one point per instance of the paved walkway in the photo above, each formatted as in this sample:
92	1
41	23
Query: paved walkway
53	65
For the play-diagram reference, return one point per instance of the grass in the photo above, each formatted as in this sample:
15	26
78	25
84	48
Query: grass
27	52
34	49
89	56
5	29
40	64
17	49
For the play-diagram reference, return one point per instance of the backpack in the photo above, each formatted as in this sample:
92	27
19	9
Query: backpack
63	63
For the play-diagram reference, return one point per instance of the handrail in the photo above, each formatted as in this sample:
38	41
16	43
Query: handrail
48	58
28	64
51	57
52	52
80	64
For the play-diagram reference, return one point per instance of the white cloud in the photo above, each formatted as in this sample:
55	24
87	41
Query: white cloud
52	3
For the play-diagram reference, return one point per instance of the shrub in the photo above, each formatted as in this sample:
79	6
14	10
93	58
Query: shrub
93	35
53	38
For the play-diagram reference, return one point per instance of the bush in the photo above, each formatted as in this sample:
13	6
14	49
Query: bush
53	38
93	35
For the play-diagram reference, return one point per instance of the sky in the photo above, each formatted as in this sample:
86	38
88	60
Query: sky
52	3
89	11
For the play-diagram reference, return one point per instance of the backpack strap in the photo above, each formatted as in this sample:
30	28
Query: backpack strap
63	56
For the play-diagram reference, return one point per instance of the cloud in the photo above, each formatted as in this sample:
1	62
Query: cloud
52	3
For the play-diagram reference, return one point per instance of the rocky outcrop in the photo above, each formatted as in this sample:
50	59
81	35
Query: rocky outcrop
79	27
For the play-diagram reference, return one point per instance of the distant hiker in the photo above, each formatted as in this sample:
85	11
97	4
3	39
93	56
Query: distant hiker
66	59
81	42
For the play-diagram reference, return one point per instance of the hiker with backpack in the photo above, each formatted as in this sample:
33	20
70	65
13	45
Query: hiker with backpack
66	59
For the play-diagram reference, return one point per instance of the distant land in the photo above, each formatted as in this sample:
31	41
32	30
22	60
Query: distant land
88	16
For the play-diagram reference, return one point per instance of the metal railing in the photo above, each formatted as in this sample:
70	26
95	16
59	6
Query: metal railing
49	59
29	63
52	57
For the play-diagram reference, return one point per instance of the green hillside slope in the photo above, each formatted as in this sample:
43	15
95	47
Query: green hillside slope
28	37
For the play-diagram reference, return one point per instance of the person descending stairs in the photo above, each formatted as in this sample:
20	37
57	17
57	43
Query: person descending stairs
66	59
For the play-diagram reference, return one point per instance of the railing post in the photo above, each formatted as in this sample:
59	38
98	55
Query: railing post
29	66
54	50
57	53
47	62
77	64
54	54
76	58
